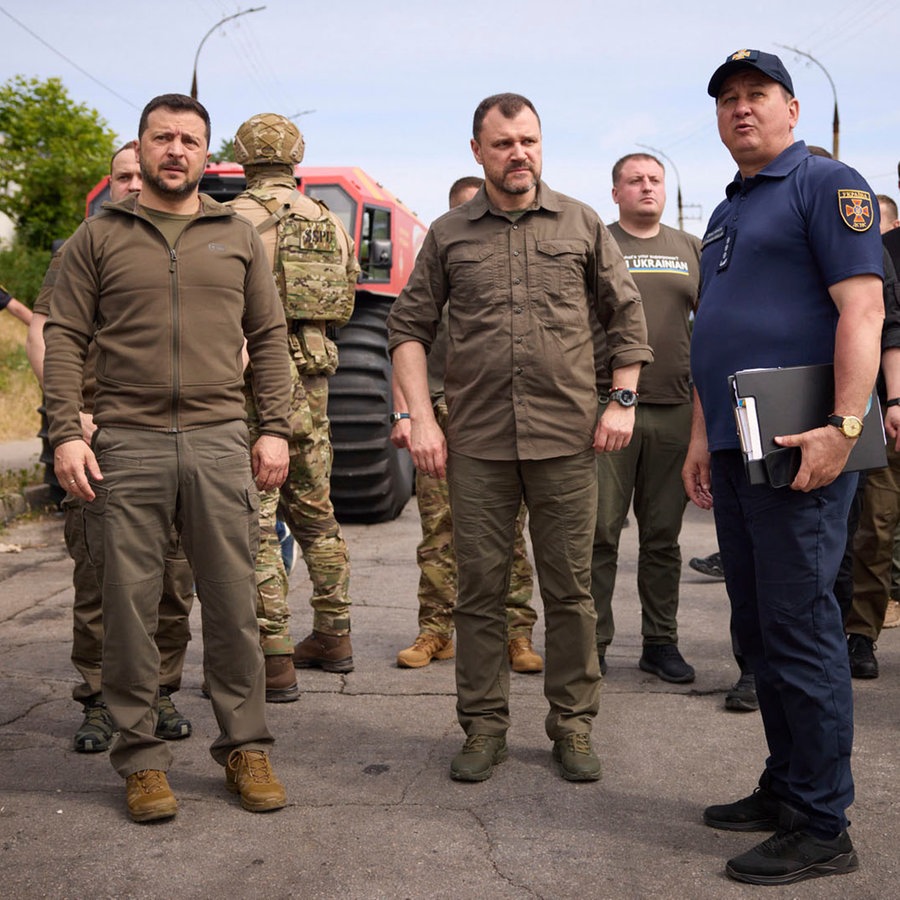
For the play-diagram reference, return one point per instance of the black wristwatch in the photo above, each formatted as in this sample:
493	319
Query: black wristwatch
624	396
894	401
395	417
849	426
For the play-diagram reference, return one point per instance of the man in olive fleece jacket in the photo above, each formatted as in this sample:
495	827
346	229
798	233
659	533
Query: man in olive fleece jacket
168	285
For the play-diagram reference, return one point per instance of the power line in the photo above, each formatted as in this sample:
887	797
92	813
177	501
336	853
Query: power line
75	65
271	89
258	66
846	24
835	23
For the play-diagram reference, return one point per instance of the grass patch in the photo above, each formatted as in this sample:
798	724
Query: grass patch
20	394
14	482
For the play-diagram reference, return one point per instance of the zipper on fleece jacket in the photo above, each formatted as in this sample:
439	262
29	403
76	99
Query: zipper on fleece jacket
176	368
174	294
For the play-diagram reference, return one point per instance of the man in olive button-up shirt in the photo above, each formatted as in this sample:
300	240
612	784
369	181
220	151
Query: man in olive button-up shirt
519	266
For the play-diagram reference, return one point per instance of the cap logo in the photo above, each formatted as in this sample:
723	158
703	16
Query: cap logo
741	54
856	209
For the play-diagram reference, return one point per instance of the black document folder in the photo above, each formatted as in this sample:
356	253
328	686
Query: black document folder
770	402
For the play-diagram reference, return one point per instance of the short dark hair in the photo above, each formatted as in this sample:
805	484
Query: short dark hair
510	105
617	168
889	203
122	149
467	181
178	103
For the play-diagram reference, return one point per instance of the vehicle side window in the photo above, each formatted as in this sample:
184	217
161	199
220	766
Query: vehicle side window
337	200
375	233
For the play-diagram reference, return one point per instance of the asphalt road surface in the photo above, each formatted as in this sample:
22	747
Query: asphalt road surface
372	811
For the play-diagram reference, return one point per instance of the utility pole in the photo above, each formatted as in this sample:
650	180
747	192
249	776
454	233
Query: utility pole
208	33
835	122
677	181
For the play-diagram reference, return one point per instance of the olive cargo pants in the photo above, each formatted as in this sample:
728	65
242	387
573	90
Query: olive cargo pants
200	482
561	495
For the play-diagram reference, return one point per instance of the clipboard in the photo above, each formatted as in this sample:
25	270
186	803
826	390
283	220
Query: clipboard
791	400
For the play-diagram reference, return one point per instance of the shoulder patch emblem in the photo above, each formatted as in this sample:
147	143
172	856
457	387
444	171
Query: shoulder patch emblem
855	209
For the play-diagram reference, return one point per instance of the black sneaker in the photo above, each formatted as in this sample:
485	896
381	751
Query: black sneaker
171	725
742	696
708	565
758	812
96	731
666	662
790	856
862	656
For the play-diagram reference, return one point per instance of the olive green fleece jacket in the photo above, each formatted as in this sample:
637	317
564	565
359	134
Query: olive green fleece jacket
168	324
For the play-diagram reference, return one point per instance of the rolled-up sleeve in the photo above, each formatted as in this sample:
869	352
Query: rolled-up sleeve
416	313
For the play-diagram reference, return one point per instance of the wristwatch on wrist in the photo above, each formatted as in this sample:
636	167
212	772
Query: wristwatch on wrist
624	396
395	417
894	401
849	426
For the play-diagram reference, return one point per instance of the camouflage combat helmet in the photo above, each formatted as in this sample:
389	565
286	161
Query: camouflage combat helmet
268	138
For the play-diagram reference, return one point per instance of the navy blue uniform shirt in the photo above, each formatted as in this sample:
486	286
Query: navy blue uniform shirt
772	249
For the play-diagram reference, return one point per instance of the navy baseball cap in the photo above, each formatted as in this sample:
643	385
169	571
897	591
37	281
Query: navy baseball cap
767	63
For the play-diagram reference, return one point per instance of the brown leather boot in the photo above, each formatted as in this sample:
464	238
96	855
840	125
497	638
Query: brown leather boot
281	679
149	796
331	652
249	773
522	656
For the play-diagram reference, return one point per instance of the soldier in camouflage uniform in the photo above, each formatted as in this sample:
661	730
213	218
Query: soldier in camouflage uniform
316	272
435	555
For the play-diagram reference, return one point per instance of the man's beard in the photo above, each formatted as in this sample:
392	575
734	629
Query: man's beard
519	188
165	189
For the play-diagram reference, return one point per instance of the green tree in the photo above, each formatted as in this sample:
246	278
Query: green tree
226	151
53	152
22	271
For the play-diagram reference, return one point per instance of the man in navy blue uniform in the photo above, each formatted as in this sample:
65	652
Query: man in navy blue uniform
791	274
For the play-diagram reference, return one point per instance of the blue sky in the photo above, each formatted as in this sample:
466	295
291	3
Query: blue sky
393	84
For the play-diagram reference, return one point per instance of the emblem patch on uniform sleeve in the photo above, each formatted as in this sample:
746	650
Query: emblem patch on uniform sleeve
856	209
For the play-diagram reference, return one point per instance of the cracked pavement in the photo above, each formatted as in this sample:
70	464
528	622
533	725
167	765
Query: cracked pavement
372	811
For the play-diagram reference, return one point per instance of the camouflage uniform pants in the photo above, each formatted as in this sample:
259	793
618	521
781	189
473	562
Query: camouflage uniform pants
304	504
437	560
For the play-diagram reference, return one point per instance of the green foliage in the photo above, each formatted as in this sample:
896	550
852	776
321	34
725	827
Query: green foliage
226	152
12	361
22	271
53	152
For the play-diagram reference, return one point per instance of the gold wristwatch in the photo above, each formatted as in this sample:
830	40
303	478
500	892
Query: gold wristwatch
849	426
